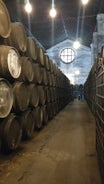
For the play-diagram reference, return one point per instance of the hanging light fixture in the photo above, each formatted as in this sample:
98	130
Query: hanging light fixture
28	7
84	2
53	12
76	44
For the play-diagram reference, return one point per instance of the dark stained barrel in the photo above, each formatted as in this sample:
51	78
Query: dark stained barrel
11	133
38	117
26	70
6	98
42	96
5	25
27	123
18	37
21	96
31	48
34	96
10	65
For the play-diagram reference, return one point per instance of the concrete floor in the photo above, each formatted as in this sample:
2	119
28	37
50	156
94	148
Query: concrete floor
62	153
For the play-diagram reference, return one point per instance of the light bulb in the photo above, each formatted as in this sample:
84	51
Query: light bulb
76	44
28	7
84	2
53	12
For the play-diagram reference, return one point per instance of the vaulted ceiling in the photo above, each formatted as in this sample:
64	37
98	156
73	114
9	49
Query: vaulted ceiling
73	20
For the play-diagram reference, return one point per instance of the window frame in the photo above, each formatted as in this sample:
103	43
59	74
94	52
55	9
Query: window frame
66	48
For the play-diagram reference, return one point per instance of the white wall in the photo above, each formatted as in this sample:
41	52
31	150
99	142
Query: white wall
82	63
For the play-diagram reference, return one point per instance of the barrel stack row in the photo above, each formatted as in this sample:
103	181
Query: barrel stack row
32	88
94	92
90	89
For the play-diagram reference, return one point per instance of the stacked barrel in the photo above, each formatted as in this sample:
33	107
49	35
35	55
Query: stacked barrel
100	110
90	89
10	69
94	92
32	88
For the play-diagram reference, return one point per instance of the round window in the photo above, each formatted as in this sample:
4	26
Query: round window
67	55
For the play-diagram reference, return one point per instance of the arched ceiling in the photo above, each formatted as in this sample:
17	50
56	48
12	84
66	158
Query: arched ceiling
72	20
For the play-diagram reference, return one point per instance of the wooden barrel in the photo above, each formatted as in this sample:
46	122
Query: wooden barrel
21	96
51	94
42	96
11	133
56	107
6	98
10	65
50	66
38	117
55	94
27	123
44	76
47	64
54	69
49	76
47	94
50	110
5	26
41	56
58	82
53	79
45	114
34	96
18	37
37	73
31	48
27	74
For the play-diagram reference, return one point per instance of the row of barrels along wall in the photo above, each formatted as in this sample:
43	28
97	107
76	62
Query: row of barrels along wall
94	93
32	89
